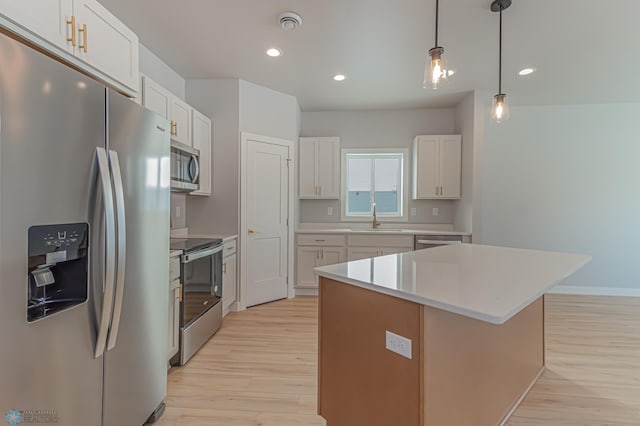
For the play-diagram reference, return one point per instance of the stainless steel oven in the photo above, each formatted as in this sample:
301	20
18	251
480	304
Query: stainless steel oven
201	305
185	167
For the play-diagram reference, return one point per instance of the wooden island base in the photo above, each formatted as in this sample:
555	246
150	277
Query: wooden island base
463	371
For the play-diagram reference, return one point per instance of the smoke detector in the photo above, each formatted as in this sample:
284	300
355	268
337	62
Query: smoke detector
290	21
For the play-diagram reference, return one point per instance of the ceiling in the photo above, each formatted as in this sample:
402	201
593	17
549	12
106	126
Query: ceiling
584	52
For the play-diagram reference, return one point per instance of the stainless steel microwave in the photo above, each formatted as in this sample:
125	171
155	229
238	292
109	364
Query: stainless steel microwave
185	167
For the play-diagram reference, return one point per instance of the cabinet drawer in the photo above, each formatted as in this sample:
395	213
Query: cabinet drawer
230	247
174	268
321	239
405	241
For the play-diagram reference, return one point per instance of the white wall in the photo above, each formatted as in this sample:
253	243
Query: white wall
465	125
219	100
566	178
267	112
234	106
378	129
161	73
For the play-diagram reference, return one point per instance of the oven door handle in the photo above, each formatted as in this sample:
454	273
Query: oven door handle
190	257
439	242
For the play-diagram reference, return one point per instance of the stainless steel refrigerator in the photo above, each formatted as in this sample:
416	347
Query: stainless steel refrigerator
84	224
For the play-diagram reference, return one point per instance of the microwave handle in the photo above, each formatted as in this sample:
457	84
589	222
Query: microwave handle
194	175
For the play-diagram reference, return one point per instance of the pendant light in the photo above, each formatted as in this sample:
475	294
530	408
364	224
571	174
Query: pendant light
436	71
500	108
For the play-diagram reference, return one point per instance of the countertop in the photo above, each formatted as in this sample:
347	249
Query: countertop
378	231
174	253
184	233
225	237
487	283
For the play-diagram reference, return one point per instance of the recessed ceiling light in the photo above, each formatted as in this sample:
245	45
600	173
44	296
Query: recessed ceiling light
274	53
527	71
339	77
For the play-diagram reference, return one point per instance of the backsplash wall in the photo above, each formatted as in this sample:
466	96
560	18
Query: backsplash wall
379	129
178	210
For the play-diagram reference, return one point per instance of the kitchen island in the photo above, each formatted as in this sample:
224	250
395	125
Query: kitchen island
446	336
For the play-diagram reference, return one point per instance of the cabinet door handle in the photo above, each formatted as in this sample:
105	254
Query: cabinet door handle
322	251
224	268
251	231
317	254
72	22
85	44
181	290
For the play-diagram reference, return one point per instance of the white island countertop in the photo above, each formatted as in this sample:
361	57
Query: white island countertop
487	283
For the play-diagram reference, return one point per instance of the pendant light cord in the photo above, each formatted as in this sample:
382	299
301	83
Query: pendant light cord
437	12
500	56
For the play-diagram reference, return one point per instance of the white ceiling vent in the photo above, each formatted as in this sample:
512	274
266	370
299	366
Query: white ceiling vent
290	21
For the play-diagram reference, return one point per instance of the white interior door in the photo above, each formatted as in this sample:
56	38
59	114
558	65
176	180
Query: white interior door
266	204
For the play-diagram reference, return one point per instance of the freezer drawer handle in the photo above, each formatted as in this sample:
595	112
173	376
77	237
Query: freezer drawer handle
110	246
122	249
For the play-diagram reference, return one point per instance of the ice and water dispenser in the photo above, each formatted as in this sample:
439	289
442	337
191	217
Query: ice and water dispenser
58	268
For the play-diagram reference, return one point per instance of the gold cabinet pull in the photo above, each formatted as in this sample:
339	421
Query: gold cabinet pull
84	31
72	22
251	231
176	128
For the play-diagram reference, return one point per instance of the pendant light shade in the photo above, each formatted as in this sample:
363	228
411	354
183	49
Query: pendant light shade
435	72
500	108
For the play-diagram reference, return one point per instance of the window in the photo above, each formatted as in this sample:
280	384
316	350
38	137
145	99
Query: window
374	176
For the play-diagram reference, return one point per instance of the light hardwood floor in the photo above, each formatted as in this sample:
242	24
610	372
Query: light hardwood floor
260	369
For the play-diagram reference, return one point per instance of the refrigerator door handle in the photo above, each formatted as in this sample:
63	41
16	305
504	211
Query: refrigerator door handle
122	248
110	257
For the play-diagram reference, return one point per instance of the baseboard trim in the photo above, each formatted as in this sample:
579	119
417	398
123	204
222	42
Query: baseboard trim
306	291
596	291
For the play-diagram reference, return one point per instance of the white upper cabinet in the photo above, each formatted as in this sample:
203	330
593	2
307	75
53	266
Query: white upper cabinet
106	43
49	22
319	168
437	163
156	98
81	32
202	141
188	126
181	120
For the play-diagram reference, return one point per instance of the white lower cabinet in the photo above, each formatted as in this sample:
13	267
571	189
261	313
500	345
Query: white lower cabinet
317	250
229	276
366	246
175	289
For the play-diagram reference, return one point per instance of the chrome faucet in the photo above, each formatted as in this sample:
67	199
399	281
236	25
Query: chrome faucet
375	219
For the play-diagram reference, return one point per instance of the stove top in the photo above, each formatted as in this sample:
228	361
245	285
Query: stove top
191	244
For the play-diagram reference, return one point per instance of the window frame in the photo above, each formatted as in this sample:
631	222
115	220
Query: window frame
404	204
